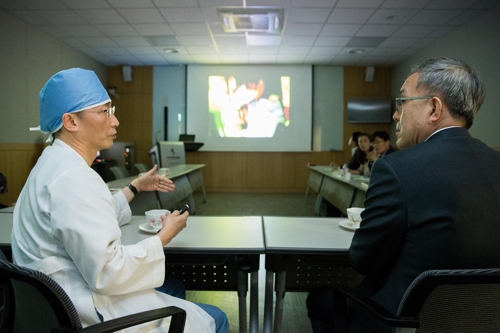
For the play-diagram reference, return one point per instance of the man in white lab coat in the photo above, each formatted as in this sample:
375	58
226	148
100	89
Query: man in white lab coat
67	223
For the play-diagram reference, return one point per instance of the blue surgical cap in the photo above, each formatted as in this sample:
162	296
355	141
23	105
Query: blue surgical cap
68	91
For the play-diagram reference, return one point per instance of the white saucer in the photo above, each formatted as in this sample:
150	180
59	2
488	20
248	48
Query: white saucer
347	224
147	228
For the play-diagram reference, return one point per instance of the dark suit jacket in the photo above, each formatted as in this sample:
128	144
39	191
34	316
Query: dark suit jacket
435	205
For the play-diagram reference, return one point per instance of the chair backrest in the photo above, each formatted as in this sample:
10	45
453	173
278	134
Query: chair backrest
454	301
119	172
6	301
37	297
141	168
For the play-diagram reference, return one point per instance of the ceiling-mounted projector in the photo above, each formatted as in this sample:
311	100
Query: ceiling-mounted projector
263	20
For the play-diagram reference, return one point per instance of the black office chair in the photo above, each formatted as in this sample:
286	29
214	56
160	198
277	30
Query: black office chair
436	301
119	172
36	303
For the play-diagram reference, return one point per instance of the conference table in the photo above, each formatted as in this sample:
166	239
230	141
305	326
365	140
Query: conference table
211	253
187	179
336	189
303	252
214	253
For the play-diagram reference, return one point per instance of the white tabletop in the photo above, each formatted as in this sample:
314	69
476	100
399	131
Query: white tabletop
311	235
175	172
208	234
9	209
359	182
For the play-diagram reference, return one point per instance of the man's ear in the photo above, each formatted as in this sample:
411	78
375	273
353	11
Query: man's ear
437	109
70	122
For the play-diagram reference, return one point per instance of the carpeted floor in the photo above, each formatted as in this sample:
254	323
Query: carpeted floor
250	204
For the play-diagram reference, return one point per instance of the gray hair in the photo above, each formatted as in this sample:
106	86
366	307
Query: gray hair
455	82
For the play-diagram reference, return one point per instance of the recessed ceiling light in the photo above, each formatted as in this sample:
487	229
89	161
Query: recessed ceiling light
356	51
170	50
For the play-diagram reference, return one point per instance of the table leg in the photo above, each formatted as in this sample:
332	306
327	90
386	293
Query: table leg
254	302
242	304
268	302
191	204
280	295
204	193
317	206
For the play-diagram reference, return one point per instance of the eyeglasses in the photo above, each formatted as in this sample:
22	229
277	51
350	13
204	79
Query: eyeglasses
401	100
108	112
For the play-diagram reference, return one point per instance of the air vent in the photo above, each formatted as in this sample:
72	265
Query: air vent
261	20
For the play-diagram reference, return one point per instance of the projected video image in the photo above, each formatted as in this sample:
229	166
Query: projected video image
248	109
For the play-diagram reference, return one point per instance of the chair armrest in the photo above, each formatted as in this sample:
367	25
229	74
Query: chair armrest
375	309
176	325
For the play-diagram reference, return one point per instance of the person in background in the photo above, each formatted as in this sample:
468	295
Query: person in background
434	204
66	223
353	142
381	142
359	161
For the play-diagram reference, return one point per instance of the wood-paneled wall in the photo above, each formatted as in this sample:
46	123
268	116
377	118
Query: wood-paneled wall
16	162
134	108
225	171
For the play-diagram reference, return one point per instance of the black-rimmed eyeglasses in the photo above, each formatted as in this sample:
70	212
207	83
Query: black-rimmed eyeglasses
401	100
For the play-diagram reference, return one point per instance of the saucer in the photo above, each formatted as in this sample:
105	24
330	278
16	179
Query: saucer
147	228
347	224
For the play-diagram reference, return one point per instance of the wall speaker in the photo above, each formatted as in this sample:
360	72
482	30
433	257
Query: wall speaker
127	73
369	73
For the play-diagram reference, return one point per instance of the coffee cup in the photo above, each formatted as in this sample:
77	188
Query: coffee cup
354	215
347	176
153	217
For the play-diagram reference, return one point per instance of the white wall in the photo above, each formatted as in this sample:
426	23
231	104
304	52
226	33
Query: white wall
28	58
478	44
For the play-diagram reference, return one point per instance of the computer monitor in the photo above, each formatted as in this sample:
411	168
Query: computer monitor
168	154
186	137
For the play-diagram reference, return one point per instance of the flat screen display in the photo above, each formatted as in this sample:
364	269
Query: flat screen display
369	110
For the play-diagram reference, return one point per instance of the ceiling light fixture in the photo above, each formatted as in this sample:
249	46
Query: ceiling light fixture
356	51
170	50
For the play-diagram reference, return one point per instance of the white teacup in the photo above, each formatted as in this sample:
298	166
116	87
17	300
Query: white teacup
354	215
153	217
163	171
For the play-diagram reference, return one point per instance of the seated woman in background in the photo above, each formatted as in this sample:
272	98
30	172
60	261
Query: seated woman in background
359	161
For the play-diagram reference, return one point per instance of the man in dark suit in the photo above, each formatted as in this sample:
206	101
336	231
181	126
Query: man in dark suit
435	204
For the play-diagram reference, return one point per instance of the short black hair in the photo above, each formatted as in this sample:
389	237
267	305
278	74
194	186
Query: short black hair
381	134
355	136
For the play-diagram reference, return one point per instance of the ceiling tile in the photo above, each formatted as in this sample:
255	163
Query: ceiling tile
292	50
325	50
398	42
31	17
117	30
195	40
448	4
308	15
465	17
290	58
373	30
145	15
405	4
268	50
130	41
154	29
98	41
340	29
100	16
61	17
415	30
73	41
433	17
237	41
262	58
131	3
176	3
267	3
137	50
359	3
331	41
201	50
206	58
79	4
83	30
54	31
41	4
112	51
297	40
303	29
182	15
189	28
350	16
392	16
162	40
314	3
262	40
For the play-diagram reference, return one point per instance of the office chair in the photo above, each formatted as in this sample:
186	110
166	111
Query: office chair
119	172
36	303
141	168
465	300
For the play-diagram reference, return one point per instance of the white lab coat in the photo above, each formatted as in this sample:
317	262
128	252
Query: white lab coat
67	225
